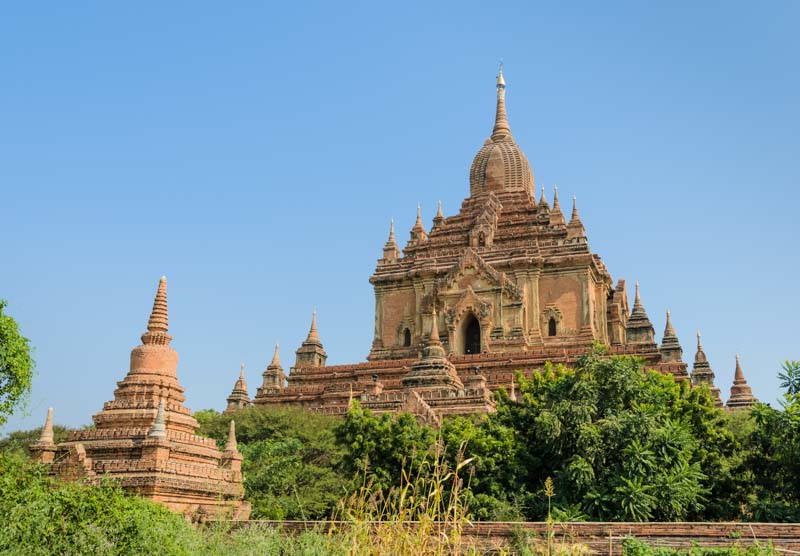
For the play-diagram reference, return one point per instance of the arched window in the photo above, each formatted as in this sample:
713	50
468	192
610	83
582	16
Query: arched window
481	239
472	336
406	338
551	327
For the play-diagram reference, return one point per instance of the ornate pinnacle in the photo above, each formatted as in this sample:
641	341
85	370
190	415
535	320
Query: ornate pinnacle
501	128
159	429
157	325
434	337
575	217
669	331
276	360
313	335
47	431
556	205
230	445
439	210
241	373
391	231
738	376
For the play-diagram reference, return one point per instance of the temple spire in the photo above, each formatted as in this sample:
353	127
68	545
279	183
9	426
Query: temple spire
741	394
241	372
47	436
231	445
575	227
439	210
313	335
418	233
543	199
434	337
702	372
276	360
159	428
390	251
158	324
501	128
556	216
639	329
671	351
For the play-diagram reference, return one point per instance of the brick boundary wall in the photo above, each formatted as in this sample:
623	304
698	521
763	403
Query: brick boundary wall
606	538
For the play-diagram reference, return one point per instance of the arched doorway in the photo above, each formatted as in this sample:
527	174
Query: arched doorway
406	338
472	336
551	327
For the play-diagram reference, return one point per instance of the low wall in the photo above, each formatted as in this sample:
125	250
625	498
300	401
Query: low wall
606	538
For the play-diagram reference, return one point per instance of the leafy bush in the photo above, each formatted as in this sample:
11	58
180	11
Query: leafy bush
43	516
292	461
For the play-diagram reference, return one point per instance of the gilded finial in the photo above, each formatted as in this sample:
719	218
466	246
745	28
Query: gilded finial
501	83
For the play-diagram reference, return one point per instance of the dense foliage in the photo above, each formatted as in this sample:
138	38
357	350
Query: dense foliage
292	461
16	365
42	516
620	443
617	442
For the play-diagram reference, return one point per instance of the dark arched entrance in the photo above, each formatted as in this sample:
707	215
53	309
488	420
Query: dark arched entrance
551	327
472	336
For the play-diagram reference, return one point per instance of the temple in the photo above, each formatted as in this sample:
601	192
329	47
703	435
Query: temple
145	438
503	286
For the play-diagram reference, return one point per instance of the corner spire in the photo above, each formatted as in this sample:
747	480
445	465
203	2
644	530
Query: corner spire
390	251
556	216
501	128
543	199
158	324
639	329
231	444
575	227
47	436
434	337
741	394
313	335
671	351
276	359
241	373
703	373
159	429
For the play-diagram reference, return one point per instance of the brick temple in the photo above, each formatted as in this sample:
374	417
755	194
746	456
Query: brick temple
145	438
504	286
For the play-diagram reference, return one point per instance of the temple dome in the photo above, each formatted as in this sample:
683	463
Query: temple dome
500	164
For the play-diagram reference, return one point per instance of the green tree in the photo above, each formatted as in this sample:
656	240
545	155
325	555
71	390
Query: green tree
381	447
773	455
16	365
292	462
790	377
621	443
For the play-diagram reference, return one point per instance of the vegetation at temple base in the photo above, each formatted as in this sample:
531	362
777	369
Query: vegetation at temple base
16	365
292	463
619	443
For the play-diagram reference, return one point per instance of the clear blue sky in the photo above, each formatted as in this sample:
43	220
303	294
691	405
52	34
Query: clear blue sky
254	152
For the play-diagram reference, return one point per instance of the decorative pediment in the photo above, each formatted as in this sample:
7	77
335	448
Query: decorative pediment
472	260
485	224
469	302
